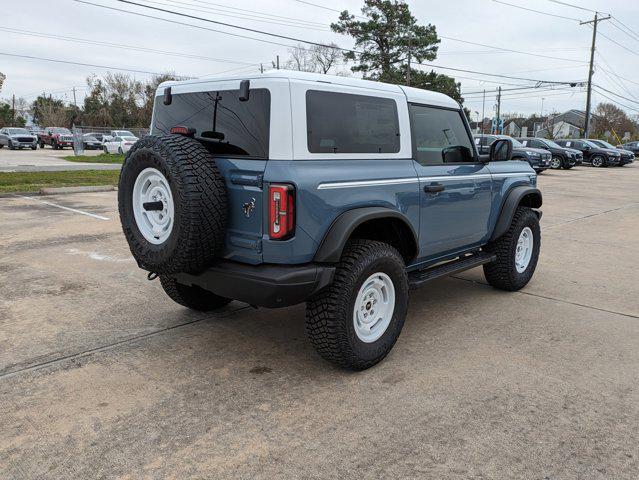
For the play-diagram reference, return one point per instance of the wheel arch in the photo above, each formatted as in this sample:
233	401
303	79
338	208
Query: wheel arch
372	223
525	196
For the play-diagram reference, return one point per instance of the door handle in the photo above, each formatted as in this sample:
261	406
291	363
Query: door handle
434	188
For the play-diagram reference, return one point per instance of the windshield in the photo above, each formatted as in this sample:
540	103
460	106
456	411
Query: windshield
18	131
64	131
601	143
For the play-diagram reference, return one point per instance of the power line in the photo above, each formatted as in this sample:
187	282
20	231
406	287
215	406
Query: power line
267	15
243	16
326	8
230	25
81	64
618	44
573	6
617	95
615	19
538	11
632	36
176	22
553	82
615	101
120	45
510	50
290	38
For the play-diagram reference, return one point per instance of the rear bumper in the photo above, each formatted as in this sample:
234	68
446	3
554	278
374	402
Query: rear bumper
262	285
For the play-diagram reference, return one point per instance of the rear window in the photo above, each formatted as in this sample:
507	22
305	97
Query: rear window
225	125
346	123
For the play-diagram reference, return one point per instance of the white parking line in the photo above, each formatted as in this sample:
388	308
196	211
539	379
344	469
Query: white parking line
99	217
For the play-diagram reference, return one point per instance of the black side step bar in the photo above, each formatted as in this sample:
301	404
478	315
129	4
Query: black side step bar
420	277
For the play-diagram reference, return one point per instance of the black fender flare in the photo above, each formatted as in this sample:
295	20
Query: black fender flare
330	249
530	196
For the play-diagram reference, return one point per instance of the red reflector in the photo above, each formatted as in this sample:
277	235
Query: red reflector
281	209
181	130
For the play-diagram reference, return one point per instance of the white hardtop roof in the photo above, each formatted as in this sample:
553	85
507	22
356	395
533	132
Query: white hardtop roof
414	95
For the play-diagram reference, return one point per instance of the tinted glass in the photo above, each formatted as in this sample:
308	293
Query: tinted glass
345	123
436	129
225	125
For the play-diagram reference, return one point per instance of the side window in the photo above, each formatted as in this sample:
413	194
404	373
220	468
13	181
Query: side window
346	123
490	141
436	133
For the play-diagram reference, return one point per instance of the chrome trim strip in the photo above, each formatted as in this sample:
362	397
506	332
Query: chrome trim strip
400	181
367	183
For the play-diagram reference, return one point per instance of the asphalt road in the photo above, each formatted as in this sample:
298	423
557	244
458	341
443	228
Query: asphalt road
47	159
102	376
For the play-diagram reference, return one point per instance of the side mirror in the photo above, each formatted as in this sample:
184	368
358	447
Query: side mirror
456	154
501	150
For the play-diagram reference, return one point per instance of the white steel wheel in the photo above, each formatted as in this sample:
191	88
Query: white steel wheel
374	307
153	207
524	250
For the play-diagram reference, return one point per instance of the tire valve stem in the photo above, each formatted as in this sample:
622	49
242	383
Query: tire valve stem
151	276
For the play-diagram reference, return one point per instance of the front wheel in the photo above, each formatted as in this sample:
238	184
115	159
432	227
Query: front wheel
355	321
556	162
597	161
11	147
34	147
192	296
517	252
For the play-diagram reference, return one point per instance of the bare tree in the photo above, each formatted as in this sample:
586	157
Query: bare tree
318	58
2	79
326	57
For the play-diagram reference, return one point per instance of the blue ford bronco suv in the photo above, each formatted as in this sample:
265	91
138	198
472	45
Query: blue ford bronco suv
289	187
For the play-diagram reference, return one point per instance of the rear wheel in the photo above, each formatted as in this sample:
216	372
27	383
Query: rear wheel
192	296
517	252
356	320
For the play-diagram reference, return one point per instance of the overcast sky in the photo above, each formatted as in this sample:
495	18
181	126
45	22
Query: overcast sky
480	21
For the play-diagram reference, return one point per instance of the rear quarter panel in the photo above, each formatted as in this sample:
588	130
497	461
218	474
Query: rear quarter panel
327	188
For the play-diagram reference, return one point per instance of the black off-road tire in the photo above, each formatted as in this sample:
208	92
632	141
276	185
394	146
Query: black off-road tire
199	197
329	314
502	273
41	145
192	296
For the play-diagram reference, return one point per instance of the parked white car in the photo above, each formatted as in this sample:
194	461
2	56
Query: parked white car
118	144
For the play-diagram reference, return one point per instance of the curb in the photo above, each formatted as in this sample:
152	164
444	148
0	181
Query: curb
58	190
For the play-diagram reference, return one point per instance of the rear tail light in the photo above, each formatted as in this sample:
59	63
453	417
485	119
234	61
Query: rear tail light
182	130
281	218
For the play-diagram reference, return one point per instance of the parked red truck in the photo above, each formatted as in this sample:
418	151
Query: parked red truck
57	137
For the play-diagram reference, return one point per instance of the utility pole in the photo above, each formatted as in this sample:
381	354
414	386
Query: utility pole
591	70
498	110
261	68
13	110
74	101
278	62
483	111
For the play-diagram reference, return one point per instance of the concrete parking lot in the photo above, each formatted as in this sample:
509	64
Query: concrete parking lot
46	159
102	376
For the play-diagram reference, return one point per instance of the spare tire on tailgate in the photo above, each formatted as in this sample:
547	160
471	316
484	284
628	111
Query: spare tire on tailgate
172	203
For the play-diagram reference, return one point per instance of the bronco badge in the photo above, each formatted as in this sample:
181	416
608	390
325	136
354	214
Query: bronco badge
248	207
